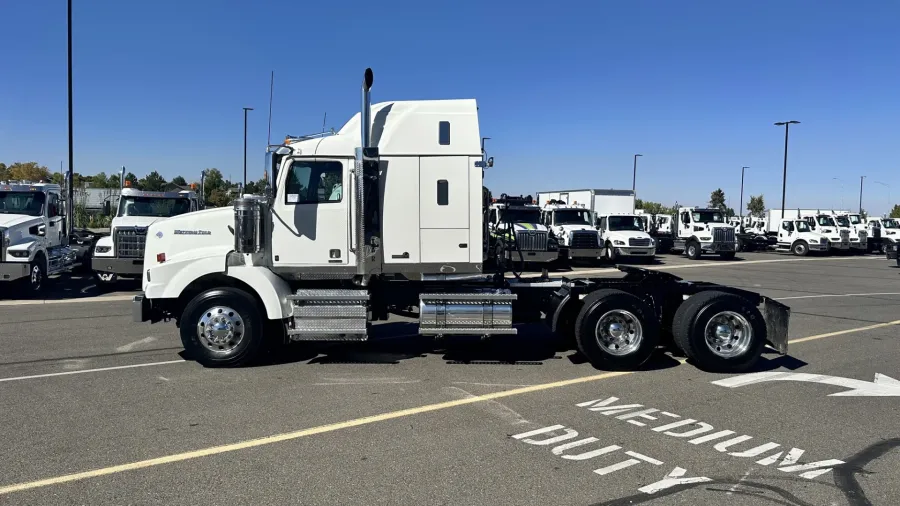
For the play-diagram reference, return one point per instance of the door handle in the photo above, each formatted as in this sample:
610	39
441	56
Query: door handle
404	255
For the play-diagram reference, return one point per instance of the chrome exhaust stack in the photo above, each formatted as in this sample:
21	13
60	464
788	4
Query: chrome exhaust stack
363	152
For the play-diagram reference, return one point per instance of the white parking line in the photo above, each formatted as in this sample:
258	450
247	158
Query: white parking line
83	371
104	298
822	296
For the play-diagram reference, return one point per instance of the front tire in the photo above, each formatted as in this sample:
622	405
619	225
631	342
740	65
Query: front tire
611	253
719	331
37	274
616	330
800	248
222	327
693	250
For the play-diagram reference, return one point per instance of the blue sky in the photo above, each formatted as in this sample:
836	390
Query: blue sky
568	91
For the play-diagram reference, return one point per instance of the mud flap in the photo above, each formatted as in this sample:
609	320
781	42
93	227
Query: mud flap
777	317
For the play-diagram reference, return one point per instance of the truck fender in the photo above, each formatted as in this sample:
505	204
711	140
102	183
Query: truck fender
106	240
271	289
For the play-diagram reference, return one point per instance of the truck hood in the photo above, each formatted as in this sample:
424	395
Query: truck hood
192	235
573	228
624	235
15	220
136	221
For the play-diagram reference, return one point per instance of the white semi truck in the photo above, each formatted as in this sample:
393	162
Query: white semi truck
121	254
33	234
701	231
405	233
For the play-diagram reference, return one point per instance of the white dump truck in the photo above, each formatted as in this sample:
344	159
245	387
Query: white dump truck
33	231
573	226
121	254
404	235
701	231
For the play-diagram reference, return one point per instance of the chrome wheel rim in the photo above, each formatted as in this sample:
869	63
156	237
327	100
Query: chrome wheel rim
728	334
36	277
220	329
619	332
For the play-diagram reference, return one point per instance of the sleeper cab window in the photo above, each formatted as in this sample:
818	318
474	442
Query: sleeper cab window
314	182
444	133
443	192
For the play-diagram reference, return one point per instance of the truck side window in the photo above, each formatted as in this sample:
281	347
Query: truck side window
444	133
53	207
493	216
313	182
443	192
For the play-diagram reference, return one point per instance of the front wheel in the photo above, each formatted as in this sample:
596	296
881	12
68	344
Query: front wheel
693	250
800	248
719	331
222	327
611	253
36	274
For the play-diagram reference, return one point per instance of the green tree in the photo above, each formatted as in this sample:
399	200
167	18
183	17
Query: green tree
4	172
652	207
214	181
99	180
895	212
131	179
729	212
154	182
113	181
179	181
28	171
756	206
57	178
717	199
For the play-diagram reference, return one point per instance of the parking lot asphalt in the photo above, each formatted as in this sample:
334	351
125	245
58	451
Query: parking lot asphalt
98	410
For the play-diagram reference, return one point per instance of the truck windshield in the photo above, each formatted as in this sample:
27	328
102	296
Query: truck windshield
621	223
153	206
842	221
825	221
571	217
854	219
890	223
802	226
520	216
708	217
30	203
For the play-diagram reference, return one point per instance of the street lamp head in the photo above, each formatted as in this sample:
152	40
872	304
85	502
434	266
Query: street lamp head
782	123
248	108
638	155
742	168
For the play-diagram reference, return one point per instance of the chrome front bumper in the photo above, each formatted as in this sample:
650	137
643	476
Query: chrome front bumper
533	256
635	252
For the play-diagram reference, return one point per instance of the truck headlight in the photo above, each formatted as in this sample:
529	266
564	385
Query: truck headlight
103	249
619	243
20	253
706	238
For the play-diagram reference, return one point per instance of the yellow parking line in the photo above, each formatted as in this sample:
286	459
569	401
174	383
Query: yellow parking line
287	436
252	443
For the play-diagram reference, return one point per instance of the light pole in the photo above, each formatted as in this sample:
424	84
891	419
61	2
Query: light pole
634	183
245	148
70	204
860	192
839	180
787	126
889	194
742	197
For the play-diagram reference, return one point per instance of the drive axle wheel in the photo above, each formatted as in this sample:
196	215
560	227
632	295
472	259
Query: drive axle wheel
222	327
719	331
616	330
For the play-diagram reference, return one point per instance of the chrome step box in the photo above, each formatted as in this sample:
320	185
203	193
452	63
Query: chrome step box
329	315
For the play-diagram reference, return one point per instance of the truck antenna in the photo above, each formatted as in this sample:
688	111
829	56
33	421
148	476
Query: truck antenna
323	121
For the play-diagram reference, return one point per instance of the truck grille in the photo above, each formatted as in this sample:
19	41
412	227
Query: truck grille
723	235
845	235
532	240
130	242
640	242
584	240
862	235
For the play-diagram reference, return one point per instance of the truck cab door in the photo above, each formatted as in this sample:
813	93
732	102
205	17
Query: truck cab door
685	230
785	231
54	231
311	214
